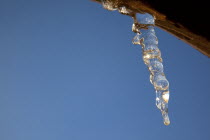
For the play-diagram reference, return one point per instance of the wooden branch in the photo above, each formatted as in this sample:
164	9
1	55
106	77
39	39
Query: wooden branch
176	18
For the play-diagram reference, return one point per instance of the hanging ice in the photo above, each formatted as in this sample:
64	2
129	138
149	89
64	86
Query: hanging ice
143	26
145	18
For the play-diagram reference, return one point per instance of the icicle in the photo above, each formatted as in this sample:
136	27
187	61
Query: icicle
144	25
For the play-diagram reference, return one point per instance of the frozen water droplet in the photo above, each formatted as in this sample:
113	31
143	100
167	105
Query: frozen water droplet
145	18
124	10
165	96
155	66
150	42
166	120
158	103
151	54
158	99
150	36
148	30
150	39
150	48
107	4
136	40
160	82
162	105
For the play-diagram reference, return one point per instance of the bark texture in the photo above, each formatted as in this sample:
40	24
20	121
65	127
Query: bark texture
187	20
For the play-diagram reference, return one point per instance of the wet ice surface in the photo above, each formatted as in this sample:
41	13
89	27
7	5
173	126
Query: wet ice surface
143	26
145	18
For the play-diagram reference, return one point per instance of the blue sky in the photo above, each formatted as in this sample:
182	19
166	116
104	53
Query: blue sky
69	71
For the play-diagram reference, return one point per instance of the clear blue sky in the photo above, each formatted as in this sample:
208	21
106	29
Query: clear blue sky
70	72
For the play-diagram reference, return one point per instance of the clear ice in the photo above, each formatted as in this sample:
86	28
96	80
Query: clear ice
143	26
